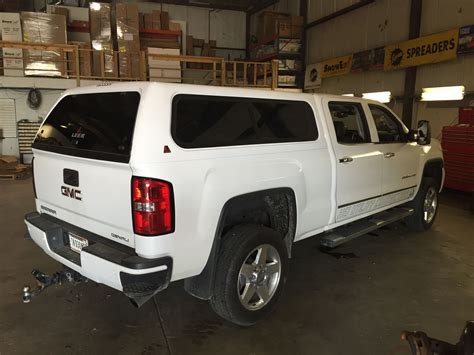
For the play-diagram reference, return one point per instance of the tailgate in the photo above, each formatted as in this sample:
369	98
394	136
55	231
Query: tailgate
81	169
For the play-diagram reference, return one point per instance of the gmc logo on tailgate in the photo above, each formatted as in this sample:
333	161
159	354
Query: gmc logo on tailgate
71	192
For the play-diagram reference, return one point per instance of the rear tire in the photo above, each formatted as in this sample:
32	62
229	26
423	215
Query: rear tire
425	205
251	272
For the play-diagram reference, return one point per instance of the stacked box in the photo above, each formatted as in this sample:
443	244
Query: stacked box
44	28
128	40
11	31
268	23
85	59
165	20
57	10
101	39
164	70
156	20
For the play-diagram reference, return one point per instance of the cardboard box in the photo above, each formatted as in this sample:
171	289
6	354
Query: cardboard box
85	60
57	10
268	23
101	40
156	20
175	26
165	21
158	43
141	21
297	26
148	21
128	40
44	28
189	45
10	26
164	70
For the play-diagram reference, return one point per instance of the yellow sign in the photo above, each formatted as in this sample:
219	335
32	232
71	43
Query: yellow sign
423	50
336	66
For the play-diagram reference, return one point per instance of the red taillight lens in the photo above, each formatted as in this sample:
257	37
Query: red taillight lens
152	206
33	175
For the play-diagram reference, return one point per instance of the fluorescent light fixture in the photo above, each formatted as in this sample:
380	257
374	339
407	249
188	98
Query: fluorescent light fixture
443	93
349	95
95	6
380	96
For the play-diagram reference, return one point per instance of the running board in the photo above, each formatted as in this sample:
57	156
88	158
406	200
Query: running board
356	229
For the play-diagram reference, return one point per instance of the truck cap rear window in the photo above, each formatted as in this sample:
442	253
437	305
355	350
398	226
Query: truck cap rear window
96	126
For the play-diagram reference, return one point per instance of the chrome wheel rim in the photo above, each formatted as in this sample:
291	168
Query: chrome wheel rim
259	277
430	204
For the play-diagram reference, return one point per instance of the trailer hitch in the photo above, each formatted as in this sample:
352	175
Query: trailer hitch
421	344
44	281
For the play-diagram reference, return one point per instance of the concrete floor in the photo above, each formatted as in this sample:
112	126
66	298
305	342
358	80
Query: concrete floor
355	305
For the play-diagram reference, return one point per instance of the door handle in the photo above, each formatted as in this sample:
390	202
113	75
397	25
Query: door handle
345	160
389	155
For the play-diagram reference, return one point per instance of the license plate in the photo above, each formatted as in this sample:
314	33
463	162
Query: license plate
77	243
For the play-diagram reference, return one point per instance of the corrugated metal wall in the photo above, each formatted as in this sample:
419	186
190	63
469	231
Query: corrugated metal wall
385	22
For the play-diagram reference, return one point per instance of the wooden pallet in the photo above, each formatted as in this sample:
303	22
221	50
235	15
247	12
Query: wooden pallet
17	175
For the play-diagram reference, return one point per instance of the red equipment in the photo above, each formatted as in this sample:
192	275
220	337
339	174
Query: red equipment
458	151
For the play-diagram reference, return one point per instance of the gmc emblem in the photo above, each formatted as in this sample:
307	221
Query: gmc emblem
71	192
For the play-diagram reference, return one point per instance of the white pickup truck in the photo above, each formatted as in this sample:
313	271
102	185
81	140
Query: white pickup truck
141	184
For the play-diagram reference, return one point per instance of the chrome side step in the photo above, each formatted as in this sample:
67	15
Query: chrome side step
356	229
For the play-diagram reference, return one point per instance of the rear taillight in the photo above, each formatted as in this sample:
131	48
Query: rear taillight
33	175
152	206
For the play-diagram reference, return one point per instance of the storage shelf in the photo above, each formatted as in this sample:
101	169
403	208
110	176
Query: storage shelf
161	32
72	28
281	55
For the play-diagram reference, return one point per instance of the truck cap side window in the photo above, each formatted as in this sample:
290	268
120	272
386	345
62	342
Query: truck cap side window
350	123
389	129
97	126
212	121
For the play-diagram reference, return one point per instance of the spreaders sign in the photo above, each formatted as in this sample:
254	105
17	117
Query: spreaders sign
423	50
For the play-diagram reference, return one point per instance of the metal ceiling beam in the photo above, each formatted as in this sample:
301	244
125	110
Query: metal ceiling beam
260	6
338	13
204	4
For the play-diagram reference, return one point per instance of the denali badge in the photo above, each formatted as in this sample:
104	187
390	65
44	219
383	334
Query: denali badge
71	192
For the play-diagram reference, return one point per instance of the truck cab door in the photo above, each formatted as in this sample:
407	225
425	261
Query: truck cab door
400	157
358	159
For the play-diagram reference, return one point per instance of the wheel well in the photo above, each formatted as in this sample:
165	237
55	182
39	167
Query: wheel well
434	169
274	208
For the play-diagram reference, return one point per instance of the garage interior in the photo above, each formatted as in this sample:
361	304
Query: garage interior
358	298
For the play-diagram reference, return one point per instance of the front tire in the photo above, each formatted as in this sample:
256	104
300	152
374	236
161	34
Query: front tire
425	205
251	272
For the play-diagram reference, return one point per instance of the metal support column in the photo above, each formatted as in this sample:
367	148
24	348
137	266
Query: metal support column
410	73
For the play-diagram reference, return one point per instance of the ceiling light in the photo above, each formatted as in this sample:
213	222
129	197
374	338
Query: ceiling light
381	96
443	93
349	95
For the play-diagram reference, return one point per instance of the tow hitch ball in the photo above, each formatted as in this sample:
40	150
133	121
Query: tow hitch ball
44	281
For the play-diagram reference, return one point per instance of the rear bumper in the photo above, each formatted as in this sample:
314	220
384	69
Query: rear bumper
115	266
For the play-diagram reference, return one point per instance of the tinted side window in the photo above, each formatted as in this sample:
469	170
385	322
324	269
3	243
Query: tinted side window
213	121
389	128
349	122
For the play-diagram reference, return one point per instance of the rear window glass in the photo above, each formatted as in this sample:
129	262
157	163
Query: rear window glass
97	126
213	121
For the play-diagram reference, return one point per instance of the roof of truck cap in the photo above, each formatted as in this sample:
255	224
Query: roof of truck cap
200	89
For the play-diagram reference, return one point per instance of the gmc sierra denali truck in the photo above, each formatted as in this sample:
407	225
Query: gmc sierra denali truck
142	184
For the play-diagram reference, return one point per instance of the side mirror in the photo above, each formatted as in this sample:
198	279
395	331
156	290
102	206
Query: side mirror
412	135
424	132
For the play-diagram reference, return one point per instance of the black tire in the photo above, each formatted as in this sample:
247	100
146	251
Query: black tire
236	246
417	222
